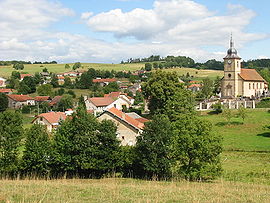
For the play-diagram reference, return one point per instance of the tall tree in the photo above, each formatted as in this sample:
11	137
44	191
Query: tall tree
3	102
152	148
37	154
195	150
54	81
76	65
11	132
45	90
65	103
159	89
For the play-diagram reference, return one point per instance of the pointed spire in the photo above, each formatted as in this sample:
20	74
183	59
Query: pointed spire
231	42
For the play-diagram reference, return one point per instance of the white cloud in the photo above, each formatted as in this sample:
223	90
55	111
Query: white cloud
86	15
171	27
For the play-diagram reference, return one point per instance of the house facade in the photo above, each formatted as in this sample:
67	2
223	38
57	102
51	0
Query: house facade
238	81
17	101
128	128
51	120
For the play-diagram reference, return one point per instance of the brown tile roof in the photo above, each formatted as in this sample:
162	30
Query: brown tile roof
22	76
55	100
20	98
52	117
101	101
194	85
104	80
129	120
6	90
42	98
141	120
250	75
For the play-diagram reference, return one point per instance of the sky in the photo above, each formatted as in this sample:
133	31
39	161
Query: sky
108	31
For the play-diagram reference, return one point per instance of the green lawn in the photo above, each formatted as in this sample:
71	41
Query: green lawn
5	71
250	136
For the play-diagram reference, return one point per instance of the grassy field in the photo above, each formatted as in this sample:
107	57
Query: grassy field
5	71
197	74
130	190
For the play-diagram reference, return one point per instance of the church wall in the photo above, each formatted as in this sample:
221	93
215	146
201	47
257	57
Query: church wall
252	88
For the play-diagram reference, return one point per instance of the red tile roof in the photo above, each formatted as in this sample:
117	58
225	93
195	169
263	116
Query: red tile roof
6	90
141	120
42	98
101	101
250	75
55	100
61	77
22	76
104	80
131	121
52	117
194	85
20	98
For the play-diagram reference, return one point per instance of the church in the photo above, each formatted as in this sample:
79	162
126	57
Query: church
240	82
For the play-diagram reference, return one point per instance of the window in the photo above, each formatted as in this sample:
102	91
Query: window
123	137
229	75
114	105
257	85
260	85
253	85
250	86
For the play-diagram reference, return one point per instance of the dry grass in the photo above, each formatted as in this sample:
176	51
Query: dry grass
130	190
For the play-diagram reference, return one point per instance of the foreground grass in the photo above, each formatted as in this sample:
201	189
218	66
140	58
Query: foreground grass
130	190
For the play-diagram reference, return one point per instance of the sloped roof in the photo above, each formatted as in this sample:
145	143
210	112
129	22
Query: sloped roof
52	117
42	98
104	80
250	75
113	94
101	101
20	98
5	90
55	100
194	85
22	76
126	118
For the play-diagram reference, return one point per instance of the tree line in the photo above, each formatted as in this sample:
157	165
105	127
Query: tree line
13	62
175	143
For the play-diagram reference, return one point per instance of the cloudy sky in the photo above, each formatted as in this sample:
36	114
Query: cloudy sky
114	30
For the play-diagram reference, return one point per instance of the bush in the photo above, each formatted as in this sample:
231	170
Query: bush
26	109
217	107
264	103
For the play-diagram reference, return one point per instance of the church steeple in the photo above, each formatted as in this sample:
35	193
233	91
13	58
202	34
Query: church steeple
232	52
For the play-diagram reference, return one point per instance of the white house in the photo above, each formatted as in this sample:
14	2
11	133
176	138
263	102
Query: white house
17	101
128	128
51	120
100	104
2	82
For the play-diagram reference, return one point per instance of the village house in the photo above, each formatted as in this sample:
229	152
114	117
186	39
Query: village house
2	82
6	91
195	87
104	82
61	79
40	99
54	102
239	81
17	101
22	76
128	128
100	104
116	95
51	120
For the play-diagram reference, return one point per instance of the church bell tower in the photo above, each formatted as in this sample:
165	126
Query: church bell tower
232	69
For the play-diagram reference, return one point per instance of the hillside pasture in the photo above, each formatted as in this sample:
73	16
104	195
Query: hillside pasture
130	190
5	71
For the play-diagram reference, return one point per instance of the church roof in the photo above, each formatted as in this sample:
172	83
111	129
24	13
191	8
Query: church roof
232	52
250	75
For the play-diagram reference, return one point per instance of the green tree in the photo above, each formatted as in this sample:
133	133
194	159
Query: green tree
65	103
18	66
148	66
111	87
23	88
159	89
85	81
207	88
76	65
54	81
37	154
15	75
3	102
152	148
194	149
242	113
68	83
67	66
227	114
45	90
30	82
85	147
217	85
11	132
